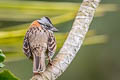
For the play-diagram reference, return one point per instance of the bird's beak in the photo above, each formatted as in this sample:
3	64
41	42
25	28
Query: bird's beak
54	29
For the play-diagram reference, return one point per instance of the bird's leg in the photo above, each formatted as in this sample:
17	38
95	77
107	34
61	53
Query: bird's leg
49	61
36	74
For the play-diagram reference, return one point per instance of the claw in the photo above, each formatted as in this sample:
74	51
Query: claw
50	62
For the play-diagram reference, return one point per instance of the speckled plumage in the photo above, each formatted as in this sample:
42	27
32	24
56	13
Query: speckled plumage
39	42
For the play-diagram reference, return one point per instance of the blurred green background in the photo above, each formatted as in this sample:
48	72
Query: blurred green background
98	58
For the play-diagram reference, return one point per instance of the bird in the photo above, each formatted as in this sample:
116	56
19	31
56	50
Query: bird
39	42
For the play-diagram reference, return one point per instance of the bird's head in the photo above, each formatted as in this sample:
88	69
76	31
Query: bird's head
47	24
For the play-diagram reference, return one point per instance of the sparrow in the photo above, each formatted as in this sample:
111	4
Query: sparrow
40	41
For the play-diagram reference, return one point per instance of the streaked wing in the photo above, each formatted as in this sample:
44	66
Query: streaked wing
51	45
26	46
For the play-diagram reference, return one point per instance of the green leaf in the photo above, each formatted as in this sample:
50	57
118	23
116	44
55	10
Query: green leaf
1	65
7	75
2	56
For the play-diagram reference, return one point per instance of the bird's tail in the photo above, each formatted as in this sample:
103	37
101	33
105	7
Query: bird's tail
39	63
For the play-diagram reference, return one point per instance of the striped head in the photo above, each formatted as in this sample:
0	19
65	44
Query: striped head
47	24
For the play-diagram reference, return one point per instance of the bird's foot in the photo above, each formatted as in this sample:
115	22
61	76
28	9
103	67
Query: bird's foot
50	62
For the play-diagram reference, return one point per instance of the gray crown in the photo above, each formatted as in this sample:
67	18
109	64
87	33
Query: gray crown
46	22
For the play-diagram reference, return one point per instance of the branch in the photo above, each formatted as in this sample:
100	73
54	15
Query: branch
73	42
